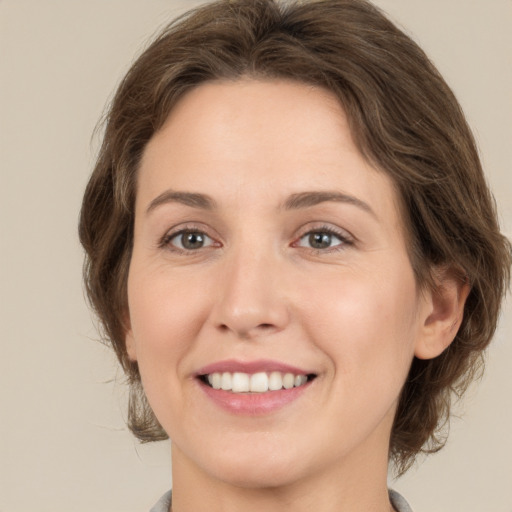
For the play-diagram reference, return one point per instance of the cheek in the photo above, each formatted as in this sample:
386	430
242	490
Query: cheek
367	324
166	313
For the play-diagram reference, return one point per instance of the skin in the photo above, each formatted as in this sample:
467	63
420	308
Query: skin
351	313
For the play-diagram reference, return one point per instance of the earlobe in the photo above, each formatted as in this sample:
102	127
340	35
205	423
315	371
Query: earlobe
130	346
444	310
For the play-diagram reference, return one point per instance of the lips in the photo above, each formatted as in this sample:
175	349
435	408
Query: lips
253	387
250	367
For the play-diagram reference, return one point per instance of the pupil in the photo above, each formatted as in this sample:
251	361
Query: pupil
320	240
193	240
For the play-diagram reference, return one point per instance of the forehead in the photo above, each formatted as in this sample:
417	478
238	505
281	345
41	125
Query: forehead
259	139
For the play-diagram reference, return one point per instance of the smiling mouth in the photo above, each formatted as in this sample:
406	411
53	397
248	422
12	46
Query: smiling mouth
261	382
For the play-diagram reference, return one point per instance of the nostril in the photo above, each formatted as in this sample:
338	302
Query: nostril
248	332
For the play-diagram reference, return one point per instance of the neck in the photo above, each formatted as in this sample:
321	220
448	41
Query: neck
344	488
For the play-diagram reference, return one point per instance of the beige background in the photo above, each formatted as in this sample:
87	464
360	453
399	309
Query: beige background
63	444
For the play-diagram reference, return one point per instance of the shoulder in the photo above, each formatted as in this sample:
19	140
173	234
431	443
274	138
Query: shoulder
398	502
163	504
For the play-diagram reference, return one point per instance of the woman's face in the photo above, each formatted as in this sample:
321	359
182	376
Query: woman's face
266	245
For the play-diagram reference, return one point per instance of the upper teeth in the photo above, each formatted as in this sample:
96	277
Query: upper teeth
257	382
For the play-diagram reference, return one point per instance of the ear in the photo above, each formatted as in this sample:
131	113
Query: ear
443	312
129	340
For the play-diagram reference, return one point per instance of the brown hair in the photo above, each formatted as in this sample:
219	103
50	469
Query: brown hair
404	119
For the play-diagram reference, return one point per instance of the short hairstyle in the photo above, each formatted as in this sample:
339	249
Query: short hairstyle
404	119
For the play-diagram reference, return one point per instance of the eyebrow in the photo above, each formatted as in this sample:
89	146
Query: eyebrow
309	199
297	201
191	199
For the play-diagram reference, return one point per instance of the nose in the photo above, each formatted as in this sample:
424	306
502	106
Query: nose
252	298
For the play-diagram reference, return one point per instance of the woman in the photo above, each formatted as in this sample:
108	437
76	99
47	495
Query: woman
294	253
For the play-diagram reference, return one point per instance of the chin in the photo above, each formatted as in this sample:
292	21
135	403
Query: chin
250	476
256	468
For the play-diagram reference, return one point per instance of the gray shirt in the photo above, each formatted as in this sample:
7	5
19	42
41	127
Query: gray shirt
396	499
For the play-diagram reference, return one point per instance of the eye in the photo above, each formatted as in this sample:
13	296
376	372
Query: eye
189	240
322	239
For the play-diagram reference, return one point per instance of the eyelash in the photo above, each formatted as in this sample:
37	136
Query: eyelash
165	242
344	238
